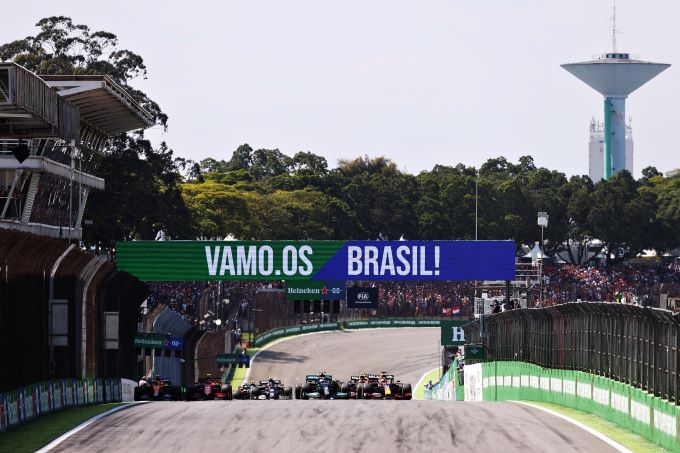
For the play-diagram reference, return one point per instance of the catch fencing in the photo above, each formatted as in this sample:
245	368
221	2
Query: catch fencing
21	405
630	344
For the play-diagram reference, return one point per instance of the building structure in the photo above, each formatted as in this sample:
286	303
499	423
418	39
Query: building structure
52	130
596	150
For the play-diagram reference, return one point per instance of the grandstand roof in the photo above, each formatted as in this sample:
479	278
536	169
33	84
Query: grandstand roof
103	103
31	108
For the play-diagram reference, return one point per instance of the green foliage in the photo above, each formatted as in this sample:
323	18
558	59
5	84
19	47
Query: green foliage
366	198
142	194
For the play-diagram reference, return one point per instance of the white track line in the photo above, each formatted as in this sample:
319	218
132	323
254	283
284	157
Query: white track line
611	442
84	425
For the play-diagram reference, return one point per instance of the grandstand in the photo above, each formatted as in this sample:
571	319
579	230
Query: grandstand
51	131
72	313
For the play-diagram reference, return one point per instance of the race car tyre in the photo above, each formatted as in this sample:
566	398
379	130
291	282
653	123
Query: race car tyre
407	389
345	388
360	391
228	394
253	393
288	393
175	393
370	388
142	394
298	392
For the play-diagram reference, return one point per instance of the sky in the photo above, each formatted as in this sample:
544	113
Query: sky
422	82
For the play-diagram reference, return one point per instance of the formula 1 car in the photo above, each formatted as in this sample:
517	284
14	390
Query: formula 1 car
209	388
158	389
271	389
382	386
243	391
321	386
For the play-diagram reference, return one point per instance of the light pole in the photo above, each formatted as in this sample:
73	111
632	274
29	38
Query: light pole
476	202
543	223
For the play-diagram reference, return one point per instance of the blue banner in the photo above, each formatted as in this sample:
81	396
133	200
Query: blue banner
421	260
174	343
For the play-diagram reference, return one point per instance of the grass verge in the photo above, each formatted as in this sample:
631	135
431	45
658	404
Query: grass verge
237	375
40	431
628	439
419	390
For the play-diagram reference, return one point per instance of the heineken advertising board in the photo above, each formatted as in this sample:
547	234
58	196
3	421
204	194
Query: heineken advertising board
233	359
158	341
317	260
452	333
315	290
150	340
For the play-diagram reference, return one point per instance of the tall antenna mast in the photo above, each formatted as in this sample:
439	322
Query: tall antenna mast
614	29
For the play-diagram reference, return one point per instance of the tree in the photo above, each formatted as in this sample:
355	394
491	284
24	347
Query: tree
64	48
622	217
142	192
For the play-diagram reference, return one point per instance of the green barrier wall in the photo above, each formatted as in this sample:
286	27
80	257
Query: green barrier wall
26	403
281	332
631	408
396	322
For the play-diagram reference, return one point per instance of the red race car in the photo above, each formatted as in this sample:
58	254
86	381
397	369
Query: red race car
209	388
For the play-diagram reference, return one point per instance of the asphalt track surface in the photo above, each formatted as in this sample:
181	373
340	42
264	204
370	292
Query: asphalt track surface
336	426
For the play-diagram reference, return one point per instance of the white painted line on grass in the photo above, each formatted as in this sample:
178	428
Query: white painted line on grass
84	425
611	442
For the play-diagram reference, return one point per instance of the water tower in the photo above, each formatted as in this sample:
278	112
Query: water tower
615	75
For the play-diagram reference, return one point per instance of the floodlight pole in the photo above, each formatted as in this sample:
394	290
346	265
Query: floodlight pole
542	222
476	202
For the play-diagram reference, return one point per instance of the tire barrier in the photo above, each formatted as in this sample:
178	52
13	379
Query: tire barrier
630	344
24	404
631	408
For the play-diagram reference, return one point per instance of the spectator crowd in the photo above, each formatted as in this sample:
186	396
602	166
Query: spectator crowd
562	283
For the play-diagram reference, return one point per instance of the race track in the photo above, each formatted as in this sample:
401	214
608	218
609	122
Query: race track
407	353
336	426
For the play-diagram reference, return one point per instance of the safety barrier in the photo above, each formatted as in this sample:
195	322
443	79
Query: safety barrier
630	344
275	334
28	402
448	388
400	322
281	332
632	408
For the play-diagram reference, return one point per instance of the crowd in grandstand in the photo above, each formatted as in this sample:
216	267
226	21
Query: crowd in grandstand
563	283
626	284
192	300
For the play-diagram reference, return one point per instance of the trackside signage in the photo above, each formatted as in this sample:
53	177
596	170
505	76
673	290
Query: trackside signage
315	290
360	297
157	341
452	333
317	260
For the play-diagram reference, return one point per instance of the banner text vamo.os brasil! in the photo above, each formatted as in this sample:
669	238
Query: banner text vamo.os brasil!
317	260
